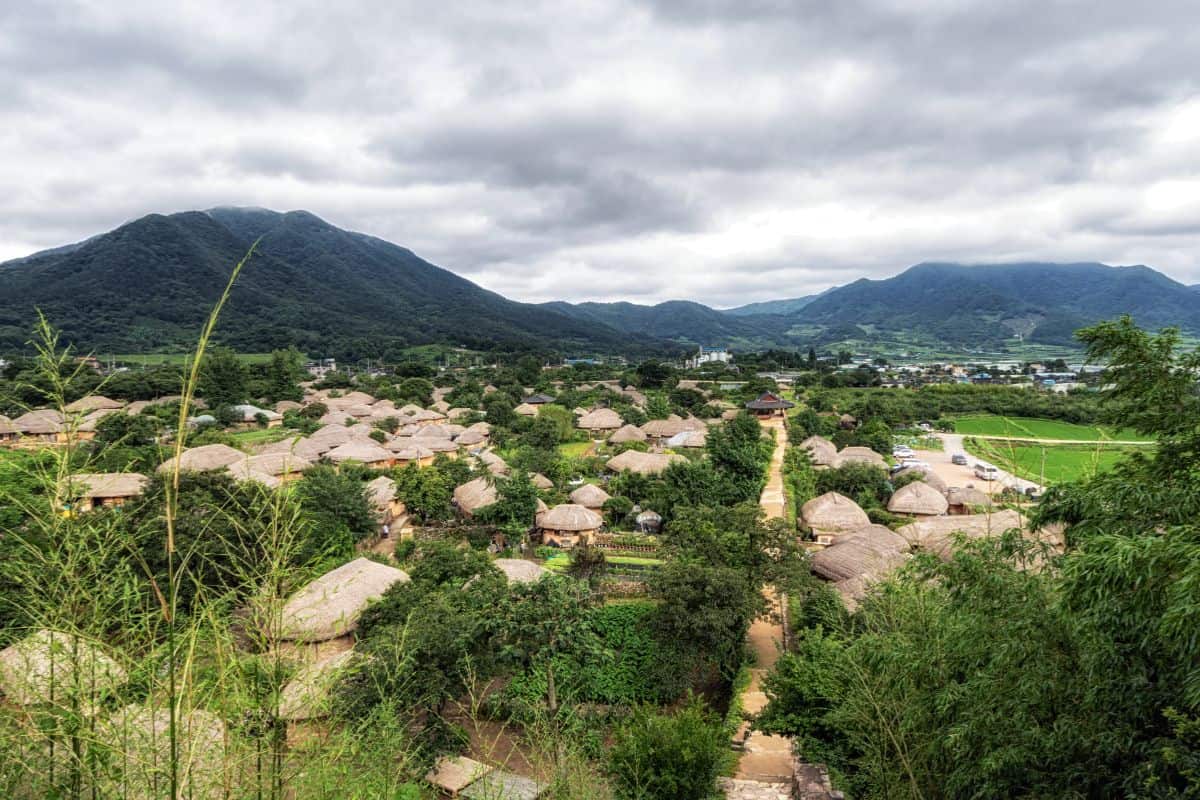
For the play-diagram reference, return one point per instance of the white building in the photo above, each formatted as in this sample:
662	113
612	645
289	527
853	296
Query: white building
708	355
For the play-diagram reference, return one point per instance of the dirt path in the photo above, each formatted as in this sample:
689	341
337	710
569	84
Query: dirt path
767	758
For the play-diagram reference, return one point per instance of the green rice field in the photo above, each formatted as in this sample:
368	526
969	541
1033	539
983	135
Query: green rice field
1050	464
560	561
1027	428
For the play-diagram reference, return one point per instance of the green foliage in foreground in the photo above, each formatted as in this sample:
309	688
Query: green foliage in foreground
1012	672
669	757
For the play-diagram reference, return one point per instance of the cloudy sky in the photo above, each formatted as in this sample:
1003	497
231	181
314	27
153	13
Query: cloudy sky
724	151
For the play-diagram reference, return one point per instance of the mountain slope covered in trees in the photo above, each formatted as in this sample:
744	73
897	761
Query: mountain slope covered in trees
148	285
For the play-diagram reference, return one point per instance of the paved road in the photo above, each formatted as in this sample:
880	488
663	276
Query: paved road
956	475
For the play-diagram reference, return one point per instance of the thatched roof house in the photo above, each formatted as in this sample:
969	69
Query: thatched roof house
602	419
878	536
589	495
41	422
107	489
688	439
284	406
769	404
330	606
474	495
470	439
205	458
541	481
663	428
861	455
307	695
854	557
308	449
494	463
933	533
925	476
405	453
382	493
141	735
248	414
280	465
566	524
518	570
833	513
642	463
481	427
821	451
364	451
41	669
965	500
526	410
95	402
8	430
627	433
919	499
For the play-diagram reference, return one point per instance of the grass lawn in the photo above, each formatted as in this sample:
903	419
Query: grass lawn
574	449
1057	463
1025	427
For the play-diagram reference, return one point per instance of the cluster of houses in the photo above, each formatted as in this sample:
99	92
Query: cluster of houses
851	552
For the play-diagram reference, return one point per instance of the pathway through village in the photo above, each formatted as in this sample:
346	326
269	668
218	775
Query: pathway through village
767	758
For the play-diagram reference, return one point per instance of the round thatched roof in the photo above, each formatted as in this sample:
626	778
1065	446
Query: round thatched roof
435	431
541	481
526	410
688	439
821	451
273	463
140	735
518	570
474	495
287	405
470	438
26	668
918	498
627	433
968	497
382	492
855	557
833	512
365	451
570	517
642	463
101	485
403	451
202	459
589	495
330	606
932	533
664	428
307	695
863	455
602	419
878	536
95	402
494	463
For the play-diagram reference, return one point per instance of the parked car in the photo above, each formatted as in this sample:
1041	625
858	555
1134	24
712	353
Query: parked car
986	472
913	463
902	452
959	458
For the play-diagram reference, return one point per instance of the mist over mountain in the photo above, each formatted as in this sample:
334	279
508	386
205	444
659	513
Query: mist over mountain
148	285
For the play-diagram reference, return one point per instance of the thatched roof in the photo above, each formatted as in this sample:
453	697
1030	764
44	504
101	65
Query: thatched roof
821	451
627	433
834	513
526	410
458	412
494	463
402	450
27	666
439	445
933	533
364	451
481	427
382	492
864	455
855	556
263	479
927	476
436	431
570	517
474	495
663	428
470	438
7	426
40	421
140	735
518	570
968	497
330	606
287	405
273	464
878	536
101	485
204	458
307	695
300	447
589	495
440	406
360	410
918	498
688	439
602	419
95	402
349	399
250	413
541	481
642	463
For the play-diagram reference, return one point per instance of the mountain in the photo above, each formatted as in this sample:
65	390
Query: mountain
683	321
990	303
776	307
147	286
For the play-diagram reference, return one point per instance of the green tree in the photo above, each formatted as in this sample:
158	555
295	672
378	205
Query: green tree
336	506
659	756
222	378
284	373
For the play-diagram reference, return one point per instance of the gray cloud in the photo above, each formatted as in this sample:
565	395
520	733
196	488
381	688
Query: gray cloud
718	150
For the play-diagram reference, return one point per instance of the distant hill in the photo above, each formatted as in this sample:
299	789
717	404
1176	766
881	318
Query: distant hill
148	285
776	307
683	321
970	305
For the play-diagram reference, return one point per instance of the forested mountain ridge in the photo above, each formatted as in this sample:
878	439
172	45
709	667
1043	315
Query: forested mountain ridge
148	285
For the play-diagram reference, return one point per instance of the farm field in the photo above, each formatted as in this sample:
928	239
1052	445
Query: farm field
1026	427
1050	464
574	449
560	561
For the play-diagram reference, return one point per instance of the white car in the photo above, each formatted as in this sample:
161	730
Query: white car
902	452
913	463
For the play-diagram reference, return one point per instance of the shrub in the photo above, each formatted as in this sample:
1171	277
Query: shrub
662	757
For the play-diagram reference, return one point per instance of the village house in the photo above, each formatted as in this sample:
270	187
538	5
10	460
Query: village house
769	404
104	490
568	524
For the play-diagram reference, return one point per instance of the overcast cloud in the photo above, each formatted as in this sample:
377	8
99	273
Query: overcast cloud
724	152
